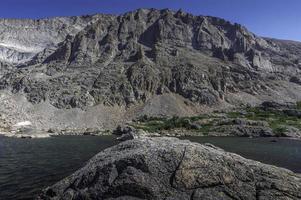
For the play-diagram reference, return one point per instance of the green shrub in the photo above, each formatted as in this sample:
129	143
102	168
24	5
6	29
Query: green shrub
157	124
299	105
176	122
146	118
277	120
279	130
234	114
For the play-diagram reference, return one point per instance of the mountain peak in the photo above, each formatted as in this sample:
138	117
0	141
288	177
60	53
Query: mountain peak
130	58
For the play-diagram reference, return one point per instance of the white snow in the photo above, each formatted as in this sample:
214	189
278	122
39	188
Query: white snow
24	123
21	40
21	48
21	135
14	56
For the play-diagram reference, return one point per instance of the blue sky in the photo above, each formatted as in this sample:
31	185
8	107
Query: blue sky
270	18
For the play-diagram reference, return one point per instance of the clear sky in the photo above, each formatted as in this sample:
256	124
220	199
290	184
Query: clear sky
271	18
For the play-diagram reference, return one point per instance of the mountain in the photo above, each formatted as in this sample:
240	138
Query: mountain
95	71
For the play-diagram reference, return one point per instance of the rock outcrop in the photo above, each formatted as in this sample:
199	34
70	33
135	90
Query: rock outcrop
169	168
21	40
241	128
125	133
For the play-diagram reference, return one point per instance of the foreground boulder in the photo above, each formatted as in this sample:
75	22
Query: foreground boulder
169	168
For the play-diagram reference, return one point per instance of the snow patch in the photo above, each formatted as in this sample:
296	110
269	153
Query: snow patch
21	135
21	48
13	56
20	124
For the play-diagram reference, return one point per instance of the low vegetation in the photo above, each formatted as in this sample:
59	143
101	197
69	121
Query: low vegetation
277	120
156	124
299	105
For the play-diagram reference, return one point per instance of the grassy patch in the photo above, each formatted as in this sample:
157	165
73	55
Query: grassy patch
276	119
157	124
146	118
205	123
198	117
205	128
279	130
234	114
149	126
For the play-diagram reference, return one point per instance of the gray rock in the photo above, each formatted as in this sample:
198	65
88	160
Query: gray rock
296	80
127	136
246	131
169	168
290	131
273	105
195	125
125	133
242	128
293	112
120	130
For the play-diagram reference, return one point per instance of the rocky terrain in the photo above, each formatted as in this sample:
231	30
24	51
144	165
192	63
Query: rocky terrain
101	70
169	168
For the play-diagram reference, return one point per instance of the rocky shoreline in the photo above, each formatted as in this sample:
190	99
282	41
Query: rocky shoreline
169	168
270	119
33	133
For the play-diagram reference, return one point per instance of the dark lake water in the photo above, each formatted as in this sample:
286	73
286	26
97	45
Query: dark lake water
28	165
275	151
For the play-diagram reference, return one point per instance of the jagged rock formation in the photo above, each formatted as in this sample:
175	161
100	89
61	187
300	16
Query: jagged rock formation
21	40
132	59
169	168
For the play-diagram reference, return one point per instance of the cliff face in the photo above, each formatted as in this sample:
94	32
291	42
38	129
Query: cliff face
136	58
21	40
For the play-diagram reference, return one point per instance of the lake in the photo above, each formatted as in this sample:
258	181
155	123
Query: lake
29	165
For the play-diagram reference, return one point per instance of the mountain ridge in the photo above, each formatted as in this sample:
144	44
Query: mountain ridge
156	60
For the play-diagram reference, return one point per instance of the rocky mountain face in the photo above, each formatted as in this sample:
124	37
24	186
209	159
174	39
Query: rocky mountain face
146	61
169	168
21	40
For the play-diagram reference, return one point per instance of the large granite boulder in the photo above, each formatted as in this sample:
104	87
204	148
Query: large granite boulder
169	168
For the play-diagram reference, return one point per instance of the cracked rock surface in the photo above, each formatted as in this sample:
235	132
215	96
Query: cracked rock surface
169	168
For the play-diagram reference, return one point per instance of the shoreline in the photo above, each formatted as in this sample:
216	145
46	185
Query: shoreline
33	134
44	135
